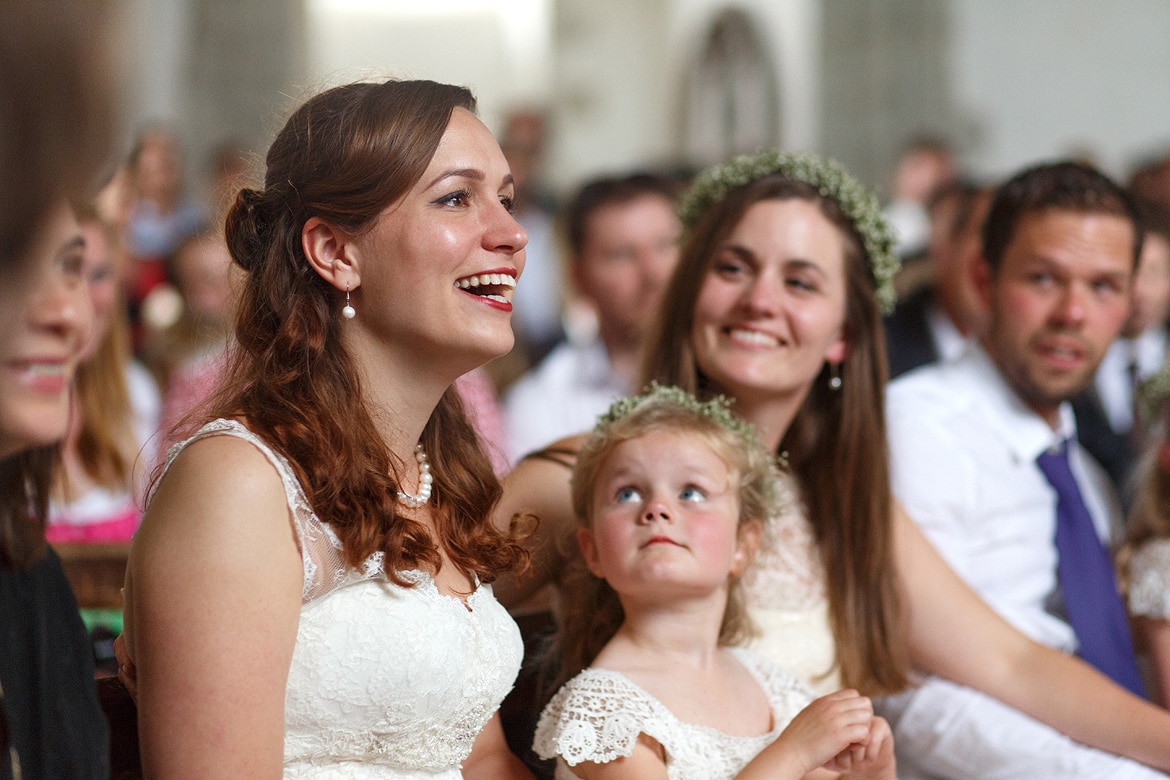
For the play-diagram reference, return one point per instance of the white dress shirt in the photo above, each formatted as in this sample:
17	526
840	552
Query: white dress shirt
963	451
562	396
948	341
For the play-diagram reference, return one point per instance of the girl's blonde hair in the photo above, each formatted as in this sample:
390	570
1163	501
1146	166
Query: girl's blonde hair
590	611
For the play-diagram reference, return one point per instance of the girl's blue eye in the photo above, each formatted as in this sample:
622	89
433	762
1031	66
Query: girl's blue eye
509	204
626	494
692	493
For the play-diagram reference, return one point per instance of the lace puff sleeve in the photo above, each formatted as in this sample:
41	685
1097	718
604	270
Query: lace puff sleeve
1149	576
597	716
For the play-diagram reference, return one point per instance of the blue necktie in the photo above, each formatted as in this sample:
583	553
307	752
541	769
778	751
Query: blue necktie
1087	580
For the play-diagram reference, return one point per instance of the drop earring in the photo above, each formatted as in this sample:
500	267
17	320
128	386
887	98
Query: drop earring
834	376
347	311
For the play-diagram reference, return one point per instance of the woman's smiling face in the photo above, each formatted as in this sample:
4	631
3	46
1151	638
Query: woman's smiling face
771	308
46	320
439	266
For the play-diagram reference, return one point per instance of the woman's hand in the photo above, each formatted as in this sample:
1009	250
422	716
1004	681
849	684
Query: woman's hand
127	672
833	731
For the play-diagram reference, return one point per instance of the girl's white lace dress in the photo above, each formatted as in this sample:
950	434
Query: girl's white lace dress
598	715
386	682
1149	580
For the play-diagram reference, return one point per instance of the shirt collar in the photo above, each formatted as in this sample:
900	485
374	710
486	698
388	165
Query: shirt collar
1025	432
593	368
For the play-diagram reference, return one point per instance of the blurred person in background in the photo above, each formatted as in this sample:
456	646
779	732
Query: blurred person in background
108	452
539	300
188	357
934	322
231	168
923	168
55	119
160	216
623	239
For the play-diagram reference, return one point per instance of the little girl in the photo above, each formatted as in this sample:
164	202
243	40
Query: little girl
670	494
1145	557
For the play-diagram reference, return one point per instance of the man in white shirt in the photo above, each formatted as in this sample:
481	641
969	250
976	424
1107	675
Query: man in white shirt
972	442
623	239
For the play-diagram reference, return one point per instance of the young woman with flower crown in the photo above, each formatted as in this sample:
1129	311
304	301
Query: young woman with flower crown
308	593
671	495
776	302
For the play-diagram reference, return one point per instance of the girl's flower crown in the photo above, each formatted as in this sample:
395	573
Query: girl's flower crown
831	180
717	409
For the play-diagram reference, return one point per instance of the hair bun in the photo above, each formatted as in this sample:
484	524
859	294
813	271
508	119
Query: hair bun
248	222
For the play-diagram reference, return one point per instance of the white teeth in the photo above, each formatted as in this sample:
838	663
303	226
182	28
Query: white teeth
755	337
47	369
483	280
499	298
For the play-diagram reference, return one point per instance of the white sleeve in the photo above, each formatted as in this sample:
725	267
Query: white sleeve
597	717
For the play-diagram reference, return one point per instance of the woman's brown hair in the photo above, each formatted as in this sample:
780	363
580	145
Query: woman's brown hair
1149	518
344	156
836	445
106	443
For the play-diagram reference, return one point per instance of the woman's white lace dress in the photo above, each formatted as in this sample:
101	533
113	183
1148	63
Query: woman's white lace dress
599	714
1149	580
786	598
386	682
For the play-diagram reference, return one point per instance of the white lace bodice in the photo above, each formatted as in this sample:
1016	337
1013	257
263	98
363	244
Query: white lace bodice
1149	580
598	715
385	681
786	598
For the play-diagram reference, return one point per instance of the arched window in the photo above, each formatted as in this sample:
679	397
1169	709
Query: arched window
732	101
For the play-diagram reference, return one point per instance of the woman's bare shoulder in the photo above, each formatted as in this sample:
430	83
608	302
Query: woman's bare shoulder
217	488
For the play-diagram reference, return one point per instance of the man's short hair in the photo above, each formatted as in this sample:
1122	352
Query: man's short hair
1061	186
608	191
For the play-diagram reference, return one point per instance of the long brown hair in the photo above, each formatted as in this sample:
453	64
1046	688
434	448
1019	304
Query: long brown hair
106	445
835	447
344	156
25	482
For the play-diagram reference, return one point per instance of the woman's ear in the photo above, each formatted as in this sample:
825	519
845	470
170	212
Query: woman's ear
839	349
589	551
747	545
331	254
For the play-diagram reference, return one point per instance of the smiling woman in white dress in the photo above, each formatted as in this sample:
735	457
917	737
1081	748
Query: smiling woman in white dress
308	593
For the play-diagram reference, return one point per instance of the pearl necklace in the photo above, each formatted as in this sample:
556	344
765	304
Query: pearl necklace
424	482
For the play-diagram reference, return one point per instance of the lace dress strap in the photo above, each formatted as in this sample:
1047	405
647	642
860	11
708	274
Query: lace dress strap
321	550
1149	580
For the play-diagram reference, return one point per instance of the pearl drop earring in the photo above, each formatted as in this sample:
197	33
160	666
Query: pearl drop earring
348	311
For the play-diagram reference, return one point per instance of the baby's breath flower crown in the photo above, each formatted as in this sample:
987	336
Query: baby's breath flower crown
831	180
717	409
1152	392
